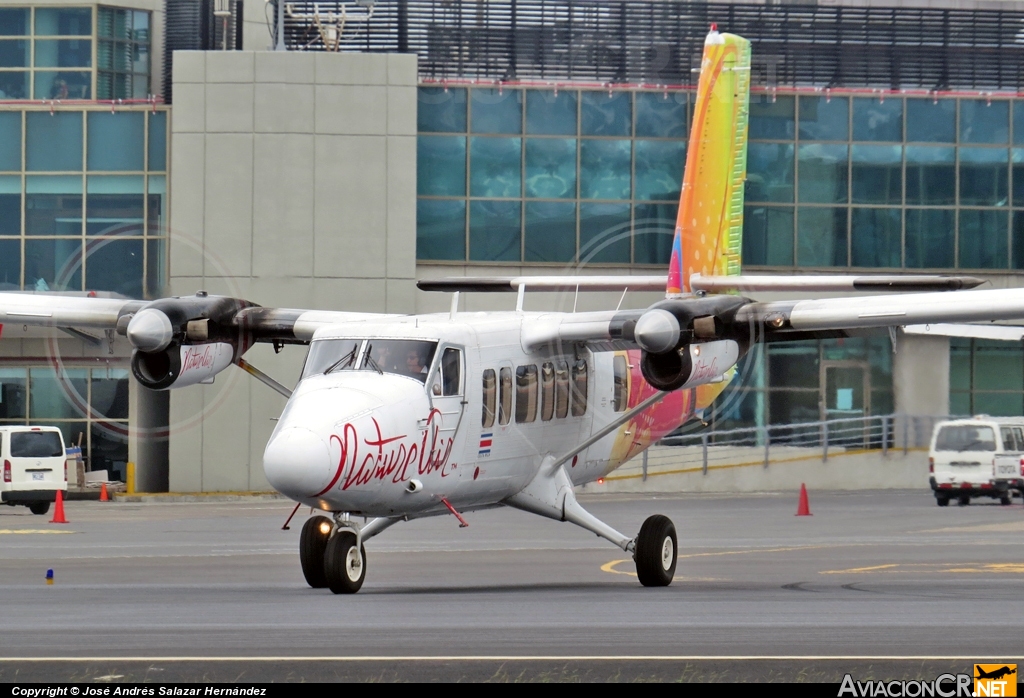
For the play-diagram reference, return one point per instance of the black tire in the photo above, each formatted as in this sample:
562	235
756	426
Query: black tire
39	508
963	500
942	501
344	566
312	544
1005	500
656	552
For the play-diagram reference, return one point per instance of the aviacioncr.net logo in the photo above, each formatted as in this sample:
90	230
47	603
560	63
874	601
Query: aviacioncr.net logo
995	680
944	686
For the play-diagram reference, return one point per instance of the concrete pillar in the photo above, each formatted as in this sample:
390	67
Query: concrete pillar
920	376
147	441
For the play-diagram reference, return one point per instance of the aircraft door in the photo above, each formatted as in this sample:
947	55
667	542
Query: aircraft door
448	390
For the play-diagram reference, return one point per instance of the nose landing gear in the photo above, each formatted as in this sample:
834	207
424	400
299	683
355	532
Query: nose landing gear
316	533
332	553
345	563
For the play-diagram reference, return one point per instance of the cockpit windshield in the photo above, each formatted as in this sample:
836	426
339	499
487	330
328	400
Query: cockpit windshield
407	357
330	355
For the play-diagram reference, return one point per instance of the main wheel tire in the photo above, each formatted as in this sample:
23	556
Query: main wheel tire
344	563
942	501
39	508
1005	500
963	500
656	552
312	544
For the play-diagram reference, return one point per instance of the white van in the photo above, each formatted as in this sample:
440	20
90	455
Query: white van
977	457
34	466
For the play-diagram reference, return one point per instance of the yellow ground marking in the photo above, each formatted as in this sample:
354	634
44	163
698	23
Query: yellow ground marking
945	567
612	564
1009	527
32	530
746	464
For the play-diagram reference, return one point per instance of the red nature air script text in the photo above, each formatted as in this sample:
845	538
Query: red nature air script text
391	457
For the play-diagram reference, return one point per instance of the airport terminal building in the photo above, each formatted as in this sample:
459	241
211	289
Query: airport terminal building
153	147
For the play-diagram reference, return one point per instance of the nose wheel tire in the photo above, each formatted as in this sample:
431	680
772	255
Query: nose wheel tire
344	563
656	552
312	544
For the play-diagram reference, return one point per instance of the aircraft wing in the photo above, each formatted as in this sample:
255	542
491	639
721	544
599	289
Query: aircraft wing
1006	333
202	316
696	319
709	284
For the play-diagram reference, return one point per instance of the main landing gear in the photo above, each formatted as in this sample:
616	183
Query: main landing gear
332	553
655	552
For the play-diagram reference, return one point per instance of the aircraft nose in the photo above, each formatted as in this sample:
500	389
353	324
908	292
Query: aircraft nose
297	462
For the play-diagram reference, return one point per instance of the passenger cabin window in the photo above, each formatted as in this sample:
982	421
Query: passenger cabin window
505	405
406	357
526	394
547	391
330	355
561	389
621	397
579	388
490	398
451	376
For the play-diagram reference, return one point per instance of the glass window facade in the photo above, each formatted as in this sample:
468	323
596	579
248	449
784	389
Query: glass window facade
794	382
88	404
903	183
985	377
880	182
83	200
550	176
69	53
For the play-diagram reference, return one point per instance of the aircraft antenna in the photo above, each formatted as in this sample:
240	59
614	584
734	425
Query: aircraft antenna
455	306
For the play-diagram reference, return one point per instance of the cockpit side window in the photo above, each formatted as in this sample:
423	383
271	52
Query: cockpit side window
451	372
330	355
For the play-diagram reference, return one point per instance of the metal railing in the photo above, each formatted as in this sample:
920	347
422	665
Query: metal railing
661	42
790	442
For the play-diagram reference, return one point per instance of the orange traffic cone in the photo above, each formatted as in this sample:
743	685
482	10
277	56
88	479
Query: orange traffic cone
804	507
103	493
58	509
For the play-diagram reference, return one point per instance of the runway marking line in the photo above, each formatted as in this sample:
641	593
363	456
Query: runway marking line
16	531
525	658
947	567
611	565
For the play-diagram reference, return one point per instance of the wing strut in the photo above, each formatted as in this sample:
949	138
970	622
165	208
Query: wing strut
609	428
263	377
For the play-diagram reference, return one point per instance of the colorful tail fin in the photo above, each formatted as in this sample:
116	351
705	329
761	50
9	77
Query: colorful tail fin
709	227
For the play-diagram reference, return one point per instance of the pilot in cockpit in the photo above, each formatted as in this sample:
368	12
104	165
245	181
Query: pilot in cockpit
415	363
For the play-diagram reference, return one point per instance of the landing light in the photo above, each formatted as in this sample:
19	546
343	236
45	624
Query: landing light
325	528
600	480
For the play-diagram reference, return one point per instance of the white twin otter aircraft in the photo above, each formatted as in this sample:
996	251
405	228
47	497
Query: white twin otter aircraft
401	417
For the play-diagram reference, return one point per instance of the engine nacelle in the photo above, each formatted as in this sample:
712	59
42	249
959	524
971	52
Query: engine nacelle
179	366
690	365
